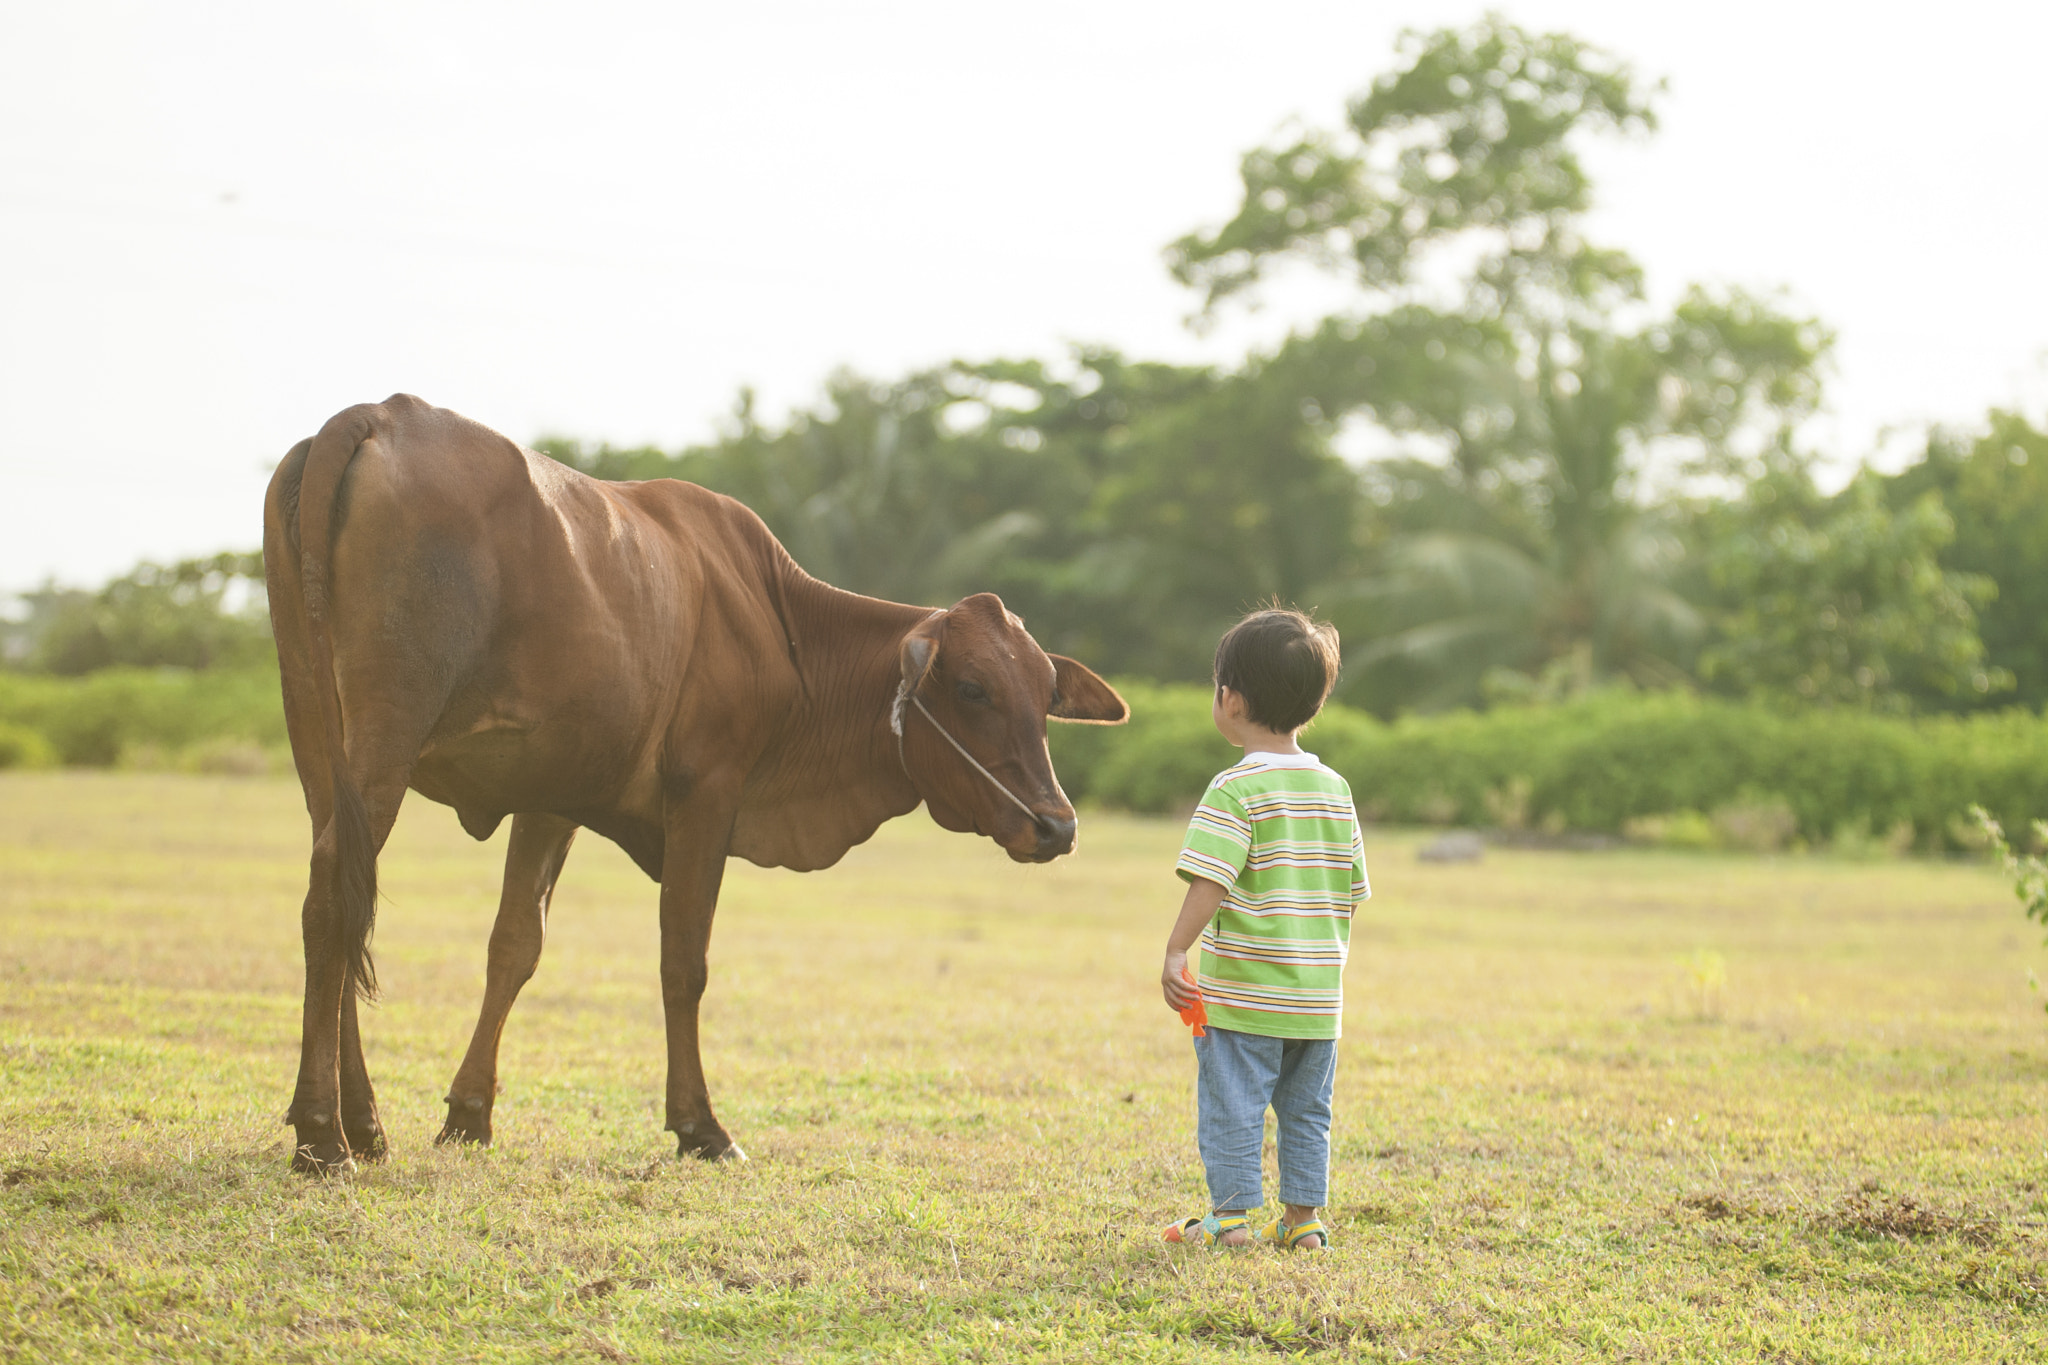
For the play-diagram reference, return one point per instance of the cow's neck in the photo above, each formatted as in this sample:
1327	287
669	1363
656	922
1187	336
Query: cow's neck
834	774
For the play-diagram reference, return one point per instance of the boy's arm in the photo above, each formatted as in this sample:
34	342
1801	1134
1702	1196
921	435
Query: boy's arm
1361	885
1196	910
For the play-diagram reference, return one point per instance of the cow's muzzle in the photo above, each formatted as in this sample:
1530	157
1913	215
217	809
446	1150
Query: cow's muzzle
1055	837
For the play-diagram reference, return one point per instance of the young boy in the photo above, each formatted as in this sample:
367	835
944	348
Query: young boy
1274	864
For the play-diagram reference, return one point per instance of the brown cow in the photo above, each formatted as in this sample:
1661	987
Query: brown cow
502	634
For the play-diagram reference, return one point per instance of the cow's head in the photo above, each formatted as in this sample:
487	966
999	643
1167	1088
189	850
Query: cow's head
974	678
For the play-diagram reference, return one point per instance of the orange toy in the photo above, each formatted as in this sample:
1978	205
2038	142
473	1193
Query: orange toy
1197	1014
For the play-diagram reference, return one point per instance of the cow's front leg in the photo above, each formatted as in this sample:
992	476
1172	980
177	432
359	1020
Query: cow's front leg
533	860
698	830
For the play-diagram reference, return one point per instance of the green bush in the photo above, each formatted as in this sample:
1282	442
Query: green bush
1160	761
21	747
93	720
1763	776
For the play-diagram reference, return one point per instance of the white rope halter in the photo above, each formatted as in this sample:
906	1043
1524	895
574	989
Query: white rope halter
905	693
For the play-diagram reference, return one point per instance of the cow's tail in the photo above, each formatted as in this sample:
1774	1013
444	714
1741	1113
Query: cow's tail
354	886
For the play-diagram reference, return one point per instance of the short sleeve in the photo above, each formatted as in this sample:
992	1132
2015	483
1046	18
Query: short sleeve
1219	840
1361	887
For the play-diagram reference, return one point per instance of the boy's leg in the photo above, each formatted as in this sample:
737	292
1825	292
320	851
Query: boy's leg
1233	1088
1301	1104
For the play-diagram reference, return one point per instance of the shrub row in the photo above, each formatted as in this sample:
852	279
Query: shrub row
1606	761
122	714
1611	761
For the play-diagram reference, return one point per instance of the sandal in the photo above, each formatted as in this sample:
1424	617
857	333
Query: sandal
1289	1238
1207	1230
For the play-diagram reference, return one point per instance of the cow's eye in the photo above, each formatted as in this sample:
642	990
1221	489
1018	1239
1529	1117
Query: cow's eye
972	692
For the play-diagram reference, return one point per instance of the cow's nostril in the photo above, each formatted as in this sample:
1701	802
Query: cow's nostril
1055	836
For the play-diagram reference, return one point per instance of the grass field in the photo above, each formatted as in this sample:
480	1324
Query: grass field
1617	1106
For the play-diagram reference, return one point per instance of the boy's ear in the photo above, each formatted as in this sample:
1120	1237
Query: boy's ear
1080	695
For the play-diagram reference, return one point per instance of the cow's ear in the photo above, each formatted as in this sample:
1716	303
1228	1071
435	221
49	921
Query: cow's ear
919	652
1080	695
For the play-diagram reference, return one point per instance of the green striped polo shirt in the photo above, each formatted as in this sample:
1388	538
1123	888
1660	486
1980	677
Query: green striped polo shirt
1278	833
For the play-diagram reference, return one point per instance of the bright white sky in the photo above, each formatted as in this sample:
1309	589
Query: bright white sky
221	223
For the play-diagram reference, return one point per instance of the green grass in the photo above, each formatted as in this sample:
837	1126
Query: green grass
1646	1106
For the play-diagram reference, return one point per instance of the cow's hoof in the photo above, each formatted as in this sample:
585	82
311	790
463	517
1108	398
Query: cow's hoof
318	1146
316	1157
719	1148
469	1121
366	1140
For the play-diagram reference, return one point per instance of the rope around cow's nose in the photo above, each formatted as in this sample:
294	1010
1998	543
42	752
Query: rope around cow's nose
903	694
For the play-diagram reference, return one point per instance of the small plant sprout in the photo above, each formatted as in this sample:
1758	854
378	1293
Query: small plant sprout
2029	872
1706	972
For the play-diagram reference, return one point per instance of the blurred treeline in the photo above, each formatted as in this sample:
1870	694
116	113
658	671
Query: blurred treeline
1130	511
1502	469
196	614
167	665
1510	476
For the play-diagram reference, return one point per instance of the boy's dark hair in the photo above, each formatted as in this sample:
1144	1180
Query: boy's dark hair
1282	662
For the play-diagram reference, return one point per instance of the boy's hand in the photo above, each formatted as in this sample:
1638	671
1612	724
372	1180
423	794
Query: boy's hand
1197	908
1173	982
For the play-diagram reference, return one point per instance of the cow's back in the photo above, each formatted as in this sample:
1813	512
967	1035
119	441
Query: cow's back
539	628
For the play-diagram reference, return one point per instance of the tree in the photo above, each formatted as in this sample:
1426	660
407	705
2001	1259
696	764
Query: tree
1129	510
197	613
1522	355
1842	600
909	490
1994	483
1223	497
20	635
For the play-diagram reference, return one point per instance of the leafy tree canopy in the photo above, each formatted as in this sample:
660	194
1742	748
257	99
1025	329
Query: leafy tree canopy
1486	325
1129	510
197	613
1994	483
1841	600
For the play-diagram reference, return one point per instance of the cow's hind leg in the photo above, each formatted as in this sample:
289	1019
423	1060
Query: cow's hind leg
359	1121
315	1112
330	1045
539	846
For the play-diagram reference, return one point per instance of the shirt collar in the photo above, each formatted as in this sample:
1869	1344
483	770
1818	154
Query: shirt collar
1266	760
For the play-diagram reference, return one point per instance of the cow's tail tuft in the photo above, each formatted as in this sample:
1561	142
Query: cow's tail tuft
354	885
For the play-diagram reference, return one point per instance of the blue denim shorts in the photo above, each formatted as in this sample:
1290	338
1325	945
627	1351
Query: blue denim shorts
1242	1074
